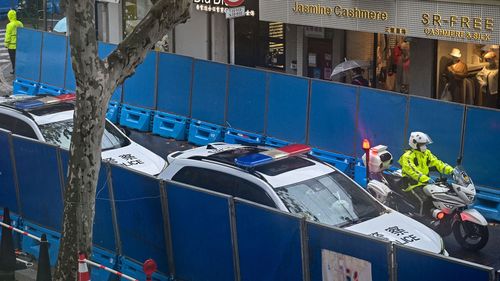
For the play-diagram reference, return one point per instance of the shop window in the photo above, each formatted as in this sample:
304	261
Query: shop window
468	73
393	63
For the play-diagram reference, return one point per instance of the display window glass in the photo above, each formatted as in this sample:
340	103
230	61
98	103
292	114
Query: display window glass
468	73
393	63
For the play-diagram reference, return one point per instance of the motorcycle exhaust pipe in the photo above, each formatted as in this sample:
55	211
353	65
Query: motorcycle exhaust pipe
438	214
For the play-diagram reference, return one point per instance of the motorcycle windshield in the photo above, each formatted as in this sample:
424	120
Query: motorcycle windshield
461	177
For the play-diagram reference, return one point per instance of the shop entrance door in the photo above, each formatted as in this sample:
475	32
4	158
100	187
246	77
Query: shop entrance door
319	58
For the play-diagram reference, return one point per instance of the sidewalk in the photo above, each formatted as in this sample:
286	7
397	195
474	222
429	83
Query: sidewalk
6	79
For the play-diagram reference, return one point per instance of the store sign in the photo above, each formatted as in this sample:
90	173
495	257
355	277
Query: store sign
461	27
237	12
220	6
441	20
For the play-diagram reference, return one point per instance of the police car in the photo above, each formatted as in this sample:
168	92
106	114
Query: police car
50	119
291	180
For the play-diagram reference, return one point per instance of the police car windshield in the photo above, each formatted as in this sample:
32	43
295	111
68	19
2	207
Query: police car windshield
331	199
59	133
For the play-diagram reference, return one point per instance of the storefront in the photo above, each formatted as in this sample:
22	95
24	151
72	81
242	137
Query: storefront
435	49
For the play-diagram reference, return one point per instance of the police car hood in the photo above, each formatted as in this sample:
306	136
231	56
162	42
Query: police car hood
401	229
136	157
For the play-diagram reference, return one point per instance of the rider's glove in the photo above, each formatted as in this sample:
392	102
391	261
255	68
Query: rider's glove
431	181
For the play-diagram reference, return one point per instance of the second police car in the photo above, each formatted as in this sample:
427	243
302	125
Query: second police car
50	119
290	180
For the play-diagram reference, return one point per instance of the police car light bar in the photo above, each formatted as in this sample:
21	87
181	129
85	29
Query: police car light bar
34	103
268	156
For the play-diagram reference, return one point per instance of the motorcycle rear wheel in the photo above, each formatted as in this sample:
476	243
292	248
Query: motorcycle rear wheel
471	236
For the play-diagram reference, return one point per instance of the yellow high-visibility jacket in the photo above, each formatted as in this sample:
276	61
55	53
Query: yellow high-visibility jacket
11	30
415	165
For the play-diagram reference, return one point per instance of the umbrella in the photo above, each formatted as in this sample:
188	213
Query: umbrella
61	26
346	65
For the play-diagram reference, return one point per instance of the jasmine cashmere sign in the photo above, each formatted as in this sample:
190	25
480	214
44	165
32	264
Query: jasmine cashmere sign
464	22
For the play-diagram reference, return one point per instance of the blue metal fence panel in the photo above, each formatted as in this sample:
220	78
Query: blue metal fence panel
70	83
201	234
268	244
287	107
53	59
247	99
442	121
209	91
482	132
29	49
103	220
139	216
39	182
346	243
174	84
436	267
332	120
139	89
104	49
8	188
382	119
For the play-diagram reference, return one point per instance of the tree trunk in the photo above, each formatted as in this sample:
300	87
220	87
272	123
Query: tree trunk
96	80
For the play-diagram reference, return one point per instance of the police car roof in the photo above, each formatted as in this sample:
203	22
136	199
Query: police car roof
277	173
42	109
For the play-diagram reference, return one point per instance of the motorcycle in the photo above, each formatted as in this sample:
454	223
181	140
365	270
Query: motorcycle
446	209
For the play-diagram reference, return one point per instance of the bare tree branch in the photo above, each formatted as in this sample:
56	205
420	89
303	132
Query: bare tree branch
131	52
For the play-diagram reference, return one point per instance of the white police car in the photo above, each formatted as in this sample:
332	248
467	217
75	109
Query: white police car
50	119
291	180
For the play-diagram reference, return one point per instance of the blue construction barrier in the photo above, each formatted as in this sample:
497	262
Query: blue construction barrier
139	89
343	163
139	216
386	125
32	246
480	158
246	107
170	126
28	54
201	234
106	258
25	87
70	81
174	84
203	133
332	117
209	91
287	106
242	137
436	267
272	142
135	270
8	194
442	121
54	63
44	89
40	186
113	112
135	117
269	244
324	240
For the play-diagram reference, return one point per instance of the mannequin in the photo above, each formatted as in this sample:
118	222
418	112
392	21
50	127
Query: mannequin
488	79
455	74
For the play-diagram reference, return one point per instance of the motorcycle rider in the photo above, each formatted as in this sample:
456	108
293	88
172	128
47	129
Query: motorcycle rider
415	164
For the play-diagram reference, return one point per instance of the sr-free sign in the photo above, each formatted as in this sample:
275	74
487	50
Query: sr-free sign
228	3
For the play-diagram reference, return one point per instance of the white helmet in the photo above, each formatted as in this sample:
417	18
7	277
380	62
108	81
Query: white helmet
418	139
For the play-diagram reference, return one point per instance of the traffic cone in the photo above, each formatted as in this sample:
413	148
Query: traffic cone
83	271
7	253
43	273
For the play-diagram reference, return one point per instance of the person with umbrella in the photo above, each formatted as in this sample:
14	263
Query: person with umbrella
357	77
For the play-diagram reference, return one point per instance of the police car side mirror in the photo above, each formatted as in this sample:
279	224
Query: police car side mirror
125	131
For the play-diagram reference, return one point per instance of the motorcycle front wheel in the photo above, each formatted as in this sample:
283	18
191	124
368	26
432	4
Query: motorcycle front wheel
471	236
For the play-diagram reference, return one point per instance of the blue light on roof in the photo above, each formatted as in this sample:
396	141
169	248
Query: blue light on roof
27	104
253	160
